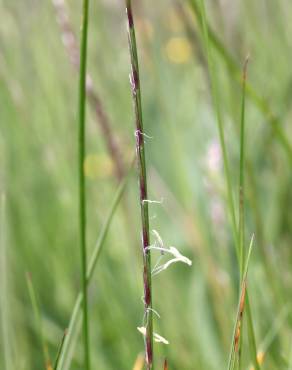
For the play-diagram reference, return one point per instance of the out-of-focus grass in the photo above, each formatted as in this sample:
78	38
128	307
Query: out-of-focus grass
38	95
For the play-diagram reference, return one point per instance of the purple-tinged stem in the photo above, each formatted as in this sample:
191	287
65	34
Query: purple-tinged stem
140	152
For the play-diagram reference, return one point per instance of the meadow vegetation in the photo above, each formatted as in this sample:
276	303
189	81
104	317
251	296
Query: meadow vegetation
208	111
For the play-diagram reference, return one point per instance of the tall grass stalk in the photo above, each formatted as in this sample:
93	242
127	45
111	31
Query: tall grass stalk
69	341
140	152
82	191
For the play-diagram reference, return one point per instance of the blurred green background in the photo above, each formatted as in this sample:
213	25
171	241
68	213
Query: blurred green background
38	180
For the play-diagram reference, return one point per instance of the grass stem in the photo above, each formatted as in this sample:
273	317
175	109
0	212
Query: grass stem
140	152
82	192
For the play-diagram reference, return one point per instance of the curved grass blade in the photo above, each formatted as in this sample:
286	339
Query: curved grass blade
74	323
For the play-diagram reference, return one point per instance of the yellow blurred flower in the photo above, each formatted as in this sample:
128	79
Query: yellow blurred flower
178	50
98	166
260	358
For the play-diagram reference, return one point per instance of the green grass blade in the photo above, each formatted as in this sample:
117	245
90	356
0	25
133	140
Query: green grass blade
82	191
69	342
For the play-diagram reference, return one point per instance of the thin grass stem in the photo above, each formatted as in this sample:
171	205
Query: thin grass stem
140	152
82	191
